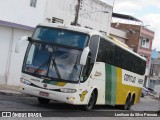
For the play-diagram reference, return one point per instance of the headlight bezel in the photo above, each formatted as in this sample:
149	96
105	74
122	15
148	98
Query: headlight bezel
68	90
24	81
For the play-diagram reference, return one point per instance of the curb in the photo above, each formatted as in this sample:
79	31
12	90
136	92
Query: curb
158	112
12	91
15	94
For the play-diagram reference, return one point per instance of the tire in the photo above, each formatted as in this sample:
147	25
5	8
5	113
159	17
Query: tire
91	102
127	105
133	99
142	95
43	101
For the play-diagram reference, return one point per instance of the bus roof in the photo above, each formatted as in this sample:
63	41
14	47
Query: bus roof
90	32
71	27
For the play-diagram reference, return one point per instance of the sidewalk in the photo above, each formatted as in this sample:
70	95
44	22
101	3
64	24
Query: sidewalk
10	90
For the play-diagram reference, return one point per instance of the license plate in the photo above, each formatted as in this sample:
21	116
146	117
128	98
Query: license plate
43	94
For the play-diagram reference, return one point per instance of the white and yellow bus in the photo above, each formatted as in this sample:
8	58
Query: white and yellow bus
79	66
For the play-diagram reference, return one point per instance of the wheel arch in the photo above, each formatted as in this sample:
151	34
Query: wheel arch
128	95
93	90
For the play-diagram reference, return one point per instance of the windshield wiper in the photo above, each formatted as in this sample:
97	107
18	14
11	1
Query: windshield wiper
56	68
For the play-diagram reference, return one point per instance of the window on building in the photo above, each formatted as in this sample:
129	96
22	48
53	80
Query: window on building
88	27
145	42
48	20
56	20
159	74
103	32
33	3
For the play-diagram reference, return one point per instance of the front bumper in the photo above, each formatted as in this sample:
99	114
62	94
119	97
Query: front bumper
69	98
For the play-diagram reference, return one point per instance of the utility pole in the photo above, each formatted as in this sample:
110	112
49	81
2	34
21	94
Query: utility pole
77	13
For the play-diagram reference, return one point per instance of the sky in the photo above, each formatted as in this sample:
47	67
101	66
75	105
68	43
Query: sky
147	11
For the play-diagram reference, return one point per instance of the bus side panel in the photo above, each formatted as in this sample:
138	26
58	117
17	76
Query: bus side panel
98	81
120	93
115	90
123	89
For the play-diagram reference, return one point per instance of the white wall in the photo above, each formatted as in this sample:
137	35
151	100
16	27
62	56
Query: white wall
16	59
118	34
20	11
62	9
11	62
65	10
91	15
5	39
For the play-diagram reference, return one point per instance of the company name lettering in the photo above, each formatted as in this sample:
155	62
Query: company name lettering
129	78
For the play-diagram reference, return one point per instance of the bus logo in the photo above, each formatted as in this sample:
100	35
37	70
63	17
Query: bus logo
45	85
82	96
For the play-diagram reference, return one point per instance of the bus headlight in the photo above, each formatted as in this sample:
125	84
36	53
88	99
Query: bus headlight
68	90
25	81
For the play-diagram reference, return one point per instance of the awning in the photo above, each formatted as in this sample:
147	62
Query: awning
128	17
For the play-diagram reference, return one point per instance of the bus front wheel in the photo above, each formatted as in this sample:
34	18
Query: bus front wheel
43	100
91	102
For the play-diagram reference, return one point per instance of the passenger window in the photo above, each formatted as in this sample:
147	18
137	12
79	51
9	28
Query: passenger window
106	52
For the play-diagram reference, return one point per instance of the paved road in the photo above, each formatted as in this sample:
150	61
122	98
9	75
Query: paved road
17	103
147	104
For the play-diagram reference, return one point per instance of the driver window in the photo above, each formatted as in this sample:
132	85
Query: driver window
87	69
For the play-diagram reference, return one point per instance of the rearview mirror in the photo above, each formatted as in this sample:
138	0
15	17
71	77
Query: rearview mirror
84	56
19	43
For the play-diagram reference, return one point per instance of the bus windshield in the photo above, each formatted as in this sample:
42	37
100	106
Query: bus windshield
61	36
55	62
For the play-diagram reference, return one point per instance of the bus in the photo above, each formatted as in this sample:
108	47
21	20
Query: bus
80	66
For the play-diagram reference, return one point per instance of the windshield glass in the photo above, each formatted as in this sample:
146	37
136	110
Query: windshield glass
61	36
53	61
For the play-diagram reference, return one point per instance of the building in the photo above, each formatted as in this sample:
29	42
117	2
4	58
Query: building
93	14
139	39
118	34
19	17
155	70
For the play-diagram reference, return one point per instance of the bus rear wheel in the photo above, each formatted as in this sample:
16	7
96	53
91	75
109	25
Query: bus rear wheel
91	102
43	100
127	105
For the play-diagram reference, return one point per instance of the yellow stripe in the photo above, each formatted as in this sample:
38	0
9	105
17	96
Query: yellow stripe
119	98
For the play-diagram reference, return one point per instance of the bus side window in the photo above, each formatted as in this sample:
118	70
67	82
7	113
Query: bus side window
93	45
106	52
119	57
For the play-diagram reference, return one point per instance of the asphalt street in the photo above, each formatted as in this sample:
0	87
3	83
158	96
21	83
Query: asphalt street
22	104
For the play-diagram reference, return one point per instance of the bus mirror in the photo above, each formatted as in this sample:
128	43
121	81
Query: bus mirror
19	43
84	56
